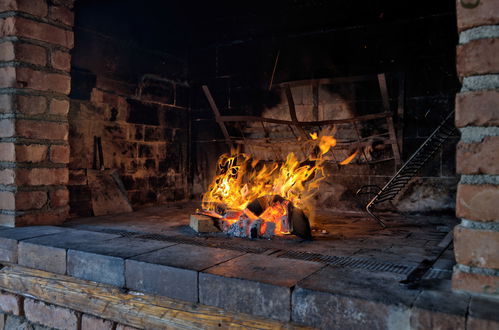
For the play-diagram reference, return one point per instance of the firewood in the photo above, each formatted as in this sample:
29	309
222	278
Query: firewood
204	224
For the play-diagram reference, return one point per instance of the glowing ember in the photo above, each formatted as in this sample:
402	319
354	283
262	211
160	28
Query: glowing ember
241	180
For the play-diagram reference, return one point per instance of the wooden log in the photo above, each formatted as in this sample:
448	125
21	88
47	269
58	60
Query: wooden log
134	309
203	223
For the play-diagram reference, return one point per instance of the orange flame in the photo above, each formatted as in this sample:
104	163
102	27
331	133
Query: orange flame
241	179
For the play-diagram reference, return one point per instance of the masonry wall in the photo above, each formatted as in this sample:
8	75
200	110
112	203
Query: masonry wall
36	38
136	100
476	239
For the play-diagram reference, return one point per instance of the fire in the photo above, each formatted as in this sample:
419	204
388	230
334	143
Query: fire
241	180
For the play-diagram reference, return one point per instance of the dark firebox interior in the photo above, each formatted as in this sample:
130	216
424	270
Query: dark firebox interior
137	72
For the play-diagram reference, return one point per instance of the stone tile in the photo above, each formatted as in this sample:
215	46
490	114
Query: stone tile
173	271
49	252
9	237
438	309
254	284
103	261
354	298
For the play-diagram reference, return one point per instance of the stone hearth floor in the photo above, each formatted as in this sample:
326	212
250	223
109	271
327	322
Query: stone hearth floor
348	275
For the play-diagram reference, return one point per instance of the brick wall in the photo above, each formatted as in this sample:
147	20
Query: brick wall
476	239
18	312
36	38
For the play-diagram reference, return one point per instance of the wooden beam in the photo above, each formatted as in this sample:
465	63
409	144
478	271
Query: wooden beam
215	110
389	120
328	81
134	309
306	123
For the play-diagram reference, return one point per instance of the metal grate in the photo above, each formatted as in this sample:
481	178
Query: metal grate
360	263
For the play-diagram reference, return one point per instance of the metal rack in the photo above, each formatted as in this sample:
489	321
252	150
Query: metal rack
411	168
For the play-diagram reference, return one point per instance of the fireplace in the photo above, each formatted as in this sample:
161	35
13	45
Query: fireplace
298	163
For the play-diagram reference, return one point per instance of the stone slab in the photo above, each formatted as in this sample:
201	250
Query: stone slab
254	284
353	298
49	252
103	261
483	312
437	309
9	237
173	271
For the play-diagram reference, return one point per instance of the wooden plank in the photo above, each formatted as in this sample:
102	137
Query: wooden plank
134	309
389	120
306	123
215	110
292	112
400	112
315	101
329	81
107	193
203	223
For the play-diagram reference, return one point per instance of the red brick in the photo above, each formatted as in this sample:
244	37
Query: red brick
476	323
50	315
52	82
6	128
476	248
29	200
485	13
31	105
475	282
59	107
7	200
6	103
59	198
42	129
10	303
59	154
478	57
51	217
8	77
33	7
7	152
89	322
30	53
23	27
32	153
62	15
477	202
478	158
7	176
41	176
477	108
61	60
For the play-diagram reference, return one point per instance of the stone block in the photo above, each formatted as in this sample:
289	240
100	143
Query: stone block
7	176
103	261
477	108
124	327
173	271
478	158
476	248
483	314
10	237
437	309
471	13
6	126
89	322
10	303
6	103
477	202
50	315
24	27
254	284
478	57
337	295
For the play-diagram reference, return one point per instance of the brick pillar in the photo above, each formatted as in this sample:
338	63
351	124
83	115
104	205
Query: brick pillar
476	239
35	40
